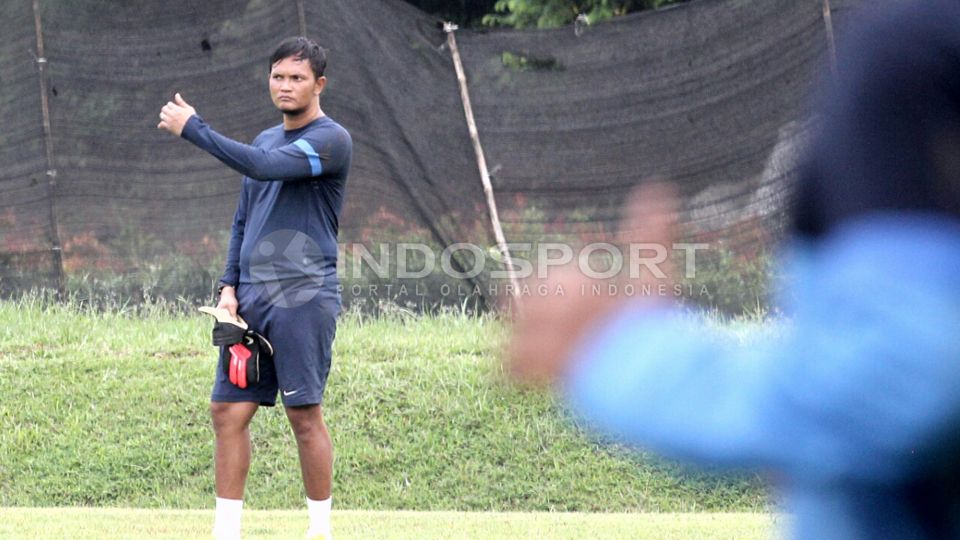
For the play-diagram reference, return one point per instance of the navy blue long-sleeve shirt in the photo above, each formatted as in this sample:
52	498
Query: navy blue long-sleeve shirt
287	220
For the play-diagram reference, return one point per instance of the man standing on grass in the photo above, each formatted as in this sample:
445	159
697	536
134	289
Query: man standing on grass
280	274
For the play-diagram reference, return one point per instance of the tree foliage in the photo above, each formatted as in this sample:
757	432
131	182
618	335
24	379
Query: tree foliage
553	13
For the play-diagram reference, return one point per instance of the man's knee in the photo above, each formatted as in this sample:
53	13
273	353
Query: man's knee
230	417
306	422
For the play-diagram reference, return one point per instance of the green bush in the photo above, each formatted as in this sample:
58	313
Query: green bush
730	283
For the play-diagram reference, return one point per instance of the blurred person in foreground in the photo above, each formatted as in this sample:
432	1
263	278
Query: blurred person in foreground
855	410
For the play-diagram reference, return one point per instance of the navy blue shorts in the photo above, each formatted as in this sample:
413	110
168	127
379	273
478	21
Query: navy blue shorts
302	339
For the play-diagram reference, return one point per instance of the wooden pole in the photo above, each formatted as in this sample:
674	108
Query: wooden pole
51	173
831	43
301	18
481	160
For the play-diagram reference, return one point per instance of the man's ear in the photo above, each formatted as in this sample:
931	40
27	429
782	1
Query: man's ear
319	85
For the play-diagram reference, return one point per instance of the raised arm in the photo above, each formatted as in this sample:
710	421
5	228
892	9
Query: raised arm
304	158
294	161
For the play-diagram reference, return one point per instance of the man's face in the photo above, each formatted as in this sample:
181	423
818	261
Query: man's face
292	85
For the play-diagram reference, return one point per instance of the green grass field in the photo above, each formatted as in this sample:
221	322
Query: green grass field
109	409
123	524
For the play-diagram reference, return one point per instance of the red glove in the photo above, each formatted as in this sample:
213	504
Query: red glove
242	365
240	357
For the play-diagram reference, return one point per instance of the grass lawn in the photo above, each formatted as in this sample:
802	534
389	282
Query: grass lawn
122	523
431	442
111	411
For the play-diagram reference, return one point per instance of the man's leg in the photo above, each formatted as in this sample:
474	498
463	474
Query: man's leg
316	463
315	449
231	426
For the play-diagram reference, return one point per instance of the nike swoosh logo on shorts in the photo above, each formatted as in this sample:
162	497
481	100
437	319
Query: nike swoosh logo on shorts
285	393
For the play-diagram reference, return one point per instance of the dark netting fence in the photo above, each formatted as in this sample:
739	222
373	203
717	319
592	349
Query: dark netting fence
96	201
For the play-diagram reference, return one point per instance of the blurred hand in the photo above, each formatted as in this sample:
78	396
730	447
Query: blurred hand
228	300
547	327
174	115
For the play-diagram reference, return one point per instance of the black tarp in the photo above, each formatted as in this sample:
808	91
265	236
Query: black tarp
710	94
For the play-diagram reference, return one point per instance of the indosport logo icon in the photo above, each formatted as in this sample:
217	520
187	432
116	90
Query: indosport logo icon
290	268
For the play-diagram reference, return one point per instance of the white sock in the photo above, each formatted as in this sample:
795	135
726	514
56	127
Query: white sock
319	512
226	523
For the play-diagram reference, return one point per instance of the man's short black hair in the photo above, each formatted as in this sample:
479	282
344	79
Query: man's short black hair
304	49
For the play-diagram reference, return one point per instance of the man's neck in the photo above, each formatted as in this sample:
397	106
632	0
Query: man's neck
296	122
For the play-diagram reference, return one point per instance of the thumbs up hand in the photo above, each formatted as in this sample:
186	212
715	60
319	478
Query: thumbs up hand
174	115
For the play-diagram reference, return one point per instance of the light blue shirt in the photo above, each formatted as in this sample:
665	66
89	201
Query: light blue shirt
856	406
